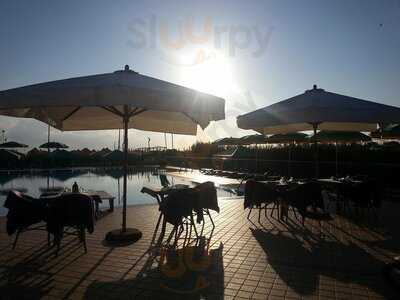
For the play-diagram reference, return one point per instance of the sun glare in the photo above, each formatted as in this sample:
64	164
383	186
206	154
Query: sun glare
209	74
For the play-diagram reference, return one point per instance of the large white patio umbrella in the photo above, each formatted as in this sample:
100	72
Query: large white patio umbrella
317	109
122	99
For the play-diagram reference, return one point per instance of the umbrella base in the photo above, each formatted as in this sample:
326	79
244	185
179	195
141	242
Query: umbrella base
130	235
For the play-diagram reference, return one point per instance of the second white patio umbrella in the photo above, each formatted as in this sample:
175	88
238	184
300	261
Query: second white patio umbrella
122	99
317	109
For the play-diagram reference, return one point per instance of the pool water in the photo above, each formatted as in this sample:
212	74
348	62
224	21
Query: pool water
110	181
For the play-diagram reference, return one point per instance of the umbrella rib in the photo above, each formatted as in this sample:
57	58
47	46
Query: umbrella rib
133	111
113	110
71	113
136	112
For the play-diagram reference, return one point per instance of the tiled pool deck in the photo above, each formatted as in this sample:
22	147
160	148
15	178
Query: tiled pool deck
268	261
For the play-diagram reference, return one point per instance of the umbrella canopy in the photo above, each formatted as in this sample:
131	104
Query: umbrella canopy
100	153
341	136
227	141
99	102
117	155
53	145
230	153
114	155
122	99
252	139
36	152
12	145
316	107
61	154
390	132
286	138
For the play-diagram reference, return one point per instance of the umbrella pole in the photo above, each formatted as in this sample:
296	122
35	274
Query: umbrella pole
124	235
125	183
48	139
256	158
119	192
336	159
289	160
119	139
315	127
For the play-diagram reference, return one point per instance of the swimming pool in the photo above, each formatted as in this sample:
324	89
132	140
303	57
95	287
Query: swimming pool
109	180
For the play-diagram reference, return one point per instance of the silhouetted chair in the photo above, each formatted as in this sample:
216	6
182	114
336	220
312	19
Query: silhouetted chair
25	213
335	195
259	195
366	196
71	214
303	196
182	206
206	199
176	209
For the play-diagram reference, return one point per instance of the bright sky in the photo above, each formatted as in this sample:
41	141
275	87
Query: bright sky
252	53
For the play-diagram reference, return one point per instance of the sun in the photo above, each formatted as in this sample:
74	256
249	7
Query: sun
208	72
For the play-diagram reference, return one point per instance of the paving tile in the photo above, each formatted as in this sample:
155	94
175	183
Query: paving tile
244	294
247	288
271	260
259	296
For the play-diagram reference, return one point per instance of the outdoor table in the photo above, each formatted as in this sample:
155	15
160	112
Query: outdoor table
335	181
104	196
343	189
331	184
329	181
283	188
160	192
336	185
96	196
